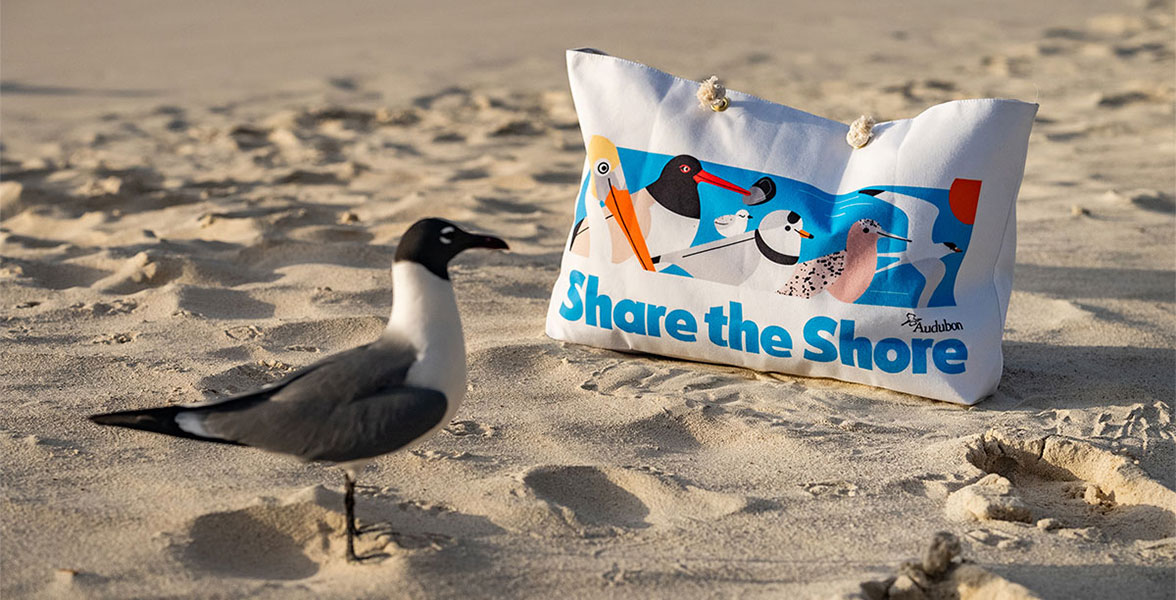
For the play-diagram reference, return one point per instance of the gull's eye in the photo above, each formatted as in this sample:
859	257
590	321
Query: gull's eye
684	168
865	230
787	228
602	167
445	231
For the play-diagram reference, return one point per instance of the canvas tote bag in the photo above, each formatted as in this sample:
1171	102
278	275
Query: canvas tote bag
757	236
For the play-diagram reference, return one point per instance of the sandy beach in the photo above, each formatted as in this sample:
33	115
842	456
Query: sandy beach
197	199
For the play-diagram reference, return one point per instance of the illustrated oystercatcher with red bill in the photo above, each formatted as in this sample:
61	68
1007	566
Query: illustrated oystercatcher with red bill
668	211
674	204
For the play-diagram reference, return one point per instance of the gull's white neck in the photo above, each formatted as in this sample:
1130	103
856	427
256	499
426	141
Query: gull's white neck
424	312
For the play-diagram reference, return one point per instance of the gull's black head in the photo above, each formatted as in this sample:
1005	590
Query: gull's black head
432	243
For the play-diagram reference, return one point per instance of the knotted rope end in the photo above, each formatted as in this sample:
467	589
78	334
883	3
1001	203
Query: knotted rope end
860	131
713	95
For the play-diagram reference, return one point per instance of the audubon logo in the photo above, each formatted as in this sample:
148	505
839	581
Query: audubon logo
916	324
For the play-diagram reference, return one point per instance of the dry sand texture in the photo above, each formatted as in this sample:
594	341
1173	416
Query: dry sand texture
182	219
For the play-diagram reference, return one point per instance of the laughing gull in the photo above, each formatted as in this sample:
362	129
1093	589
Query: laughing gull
359	404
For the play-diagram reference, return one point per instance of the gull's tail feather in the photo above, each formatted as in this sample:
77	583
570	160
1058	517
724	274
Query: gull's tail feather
156	420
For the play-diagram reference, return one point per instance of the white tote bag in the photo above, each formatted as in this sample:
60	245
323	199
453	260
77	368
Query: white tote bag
757	236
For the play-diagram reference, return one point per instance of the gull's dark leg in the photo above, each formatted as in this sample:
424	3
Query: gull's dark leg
353	531
349	507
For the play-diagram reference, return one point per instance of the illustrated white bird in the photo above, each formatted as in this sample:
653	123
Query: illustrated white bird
361	403
925	255
845	274
773	245
730	225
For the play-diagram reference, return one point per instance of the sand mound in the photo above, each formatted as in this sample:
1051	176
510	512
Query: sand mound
1063	483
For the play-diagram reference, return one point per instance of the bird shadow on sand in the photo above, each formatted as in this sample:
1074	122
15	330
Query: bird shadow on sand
295	539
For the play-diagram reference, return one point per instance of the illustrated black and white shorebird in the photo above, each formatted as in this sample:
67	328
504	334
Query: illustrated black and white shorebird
925	255
361	403
753	257
674	204
661	217
845	274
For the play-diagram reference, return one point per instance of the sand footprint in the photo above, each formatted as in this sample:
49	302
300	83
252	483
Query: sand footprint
608	500
1063	484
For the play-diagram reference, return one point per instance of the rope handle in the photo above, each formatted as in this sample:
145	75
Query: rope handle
860	131
713	95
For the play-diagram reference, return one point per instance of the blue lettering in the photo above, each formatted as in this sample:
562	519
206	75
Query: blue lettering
652	319
628	316
812	336
949	356
849	345
902	355
573	308
919	348
743	334
714	325
681	325
776	341
598	305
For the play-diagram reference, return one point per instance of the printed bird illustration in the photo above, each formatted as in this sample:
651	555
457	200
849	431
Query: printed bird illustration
774	245
674	204
925	255
729	225
362	403
613	226
661	217
845	274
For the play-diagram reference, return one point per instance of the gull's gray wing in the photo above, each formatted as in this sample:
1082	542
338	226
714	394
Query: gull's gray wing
329	427
352	405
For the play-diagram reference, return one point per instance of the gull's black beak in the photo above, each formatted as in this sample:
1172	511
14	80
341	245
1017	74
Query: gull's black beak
488	241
